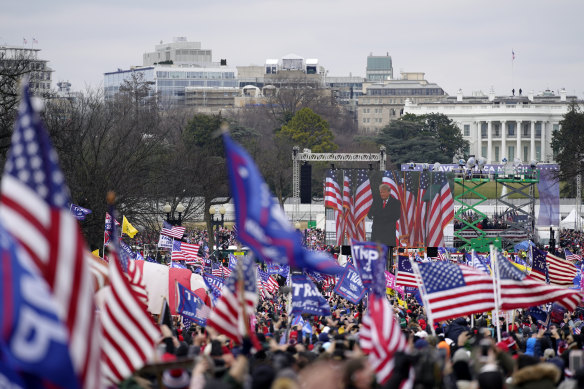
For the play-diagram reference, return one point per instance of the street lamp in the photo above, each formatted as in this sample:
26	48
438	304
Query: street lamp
170	214
219	222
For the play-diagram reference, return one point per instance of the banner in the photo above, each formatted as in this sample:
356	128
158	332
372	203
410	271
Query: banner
191	306
165	242
79	212
370	260
306	298
349	286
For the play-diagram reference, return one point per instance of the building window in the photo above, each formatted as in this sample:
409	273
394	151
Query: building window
511	129
496	131
526	130
556	127
538	130
484	151
525	153
511	153
538	153
466	129
497	154
483	131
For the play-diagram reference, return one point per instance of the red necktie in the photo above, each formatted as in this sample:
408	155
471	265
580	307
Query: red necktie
384	202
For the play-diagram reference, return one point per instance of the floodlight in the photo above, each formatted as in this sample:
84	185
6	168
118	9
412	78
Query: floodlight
470	163
516	162
425	166
436	166
461	162
412	165
482	162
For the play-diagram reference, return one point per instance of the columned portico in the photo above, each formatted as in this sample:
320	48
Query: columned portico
518	134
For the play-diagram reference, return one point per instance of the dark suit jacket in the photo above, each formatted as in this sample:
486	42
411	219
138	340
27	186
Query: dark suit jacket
384	220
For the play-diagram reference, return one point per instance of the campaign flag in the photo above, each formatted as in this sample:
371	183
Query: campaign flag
561	272
381	338
229	317
214	284
191	306
478	262
126	252
349	286
538	314
275	268
262	224
518	290
127	228
29	321
443	254
306	298
232	262
177	265
454	290
175	232
35	210
370	260
570	256
165	242
441	209
298	320
109	225
79	212
539	270
405	274
139	256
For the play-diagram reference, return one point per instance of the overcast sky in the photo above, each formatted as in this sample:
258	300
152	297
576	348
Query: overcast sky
458	44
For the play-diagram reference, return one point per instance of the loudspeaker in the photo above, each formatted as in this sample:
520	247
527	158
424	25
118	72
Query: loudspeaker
305	184
432	251
346	250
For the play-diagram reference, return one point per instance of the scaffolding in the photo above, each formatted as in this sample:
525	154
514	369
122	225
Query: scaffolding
519	214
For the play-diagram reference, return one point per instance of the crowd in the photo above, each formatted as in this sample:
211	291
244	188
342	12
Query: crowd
323	352
572	240
483	223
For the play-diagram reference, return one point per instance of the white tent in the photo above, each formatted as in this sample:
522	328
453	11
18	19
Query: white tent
570	221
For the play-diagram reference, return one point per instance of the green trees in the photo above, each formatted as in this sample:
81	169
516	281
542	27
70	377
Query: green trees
308	130
428	138
568	145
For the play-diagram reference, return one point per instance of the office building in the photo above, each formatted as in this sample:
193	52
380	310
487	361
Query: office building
26	60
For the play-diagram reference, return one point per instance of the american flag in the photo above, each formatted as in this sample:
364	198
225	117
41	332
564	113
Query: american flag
332	191
421	210
539	270
561	272
191	252
441	209
380	336
570	256
34	208
405	274
392	179
518	290
454	290
216	270
173	231
408	208
228	316
129	333
349	221
268	282
333	198
362	203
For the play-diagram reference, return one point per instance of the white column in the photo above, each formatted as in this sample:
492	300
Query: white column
479	138
532	148
503	141
518	147
542	143
489	141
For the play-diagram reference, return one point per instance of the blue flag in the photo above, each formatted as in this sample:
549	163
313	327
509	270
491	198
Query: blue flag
261	223
34	343
191	306
177	265
232	262
306	298
349	286
214	284
370	260
79	212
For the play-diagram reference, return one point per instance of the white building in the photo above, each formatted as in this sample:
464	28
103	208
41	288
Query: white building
503	126
179	52
20	60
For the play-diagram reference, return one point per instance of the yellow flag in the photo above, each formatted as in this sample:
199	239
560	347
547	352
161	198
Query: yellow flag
95	252
128	229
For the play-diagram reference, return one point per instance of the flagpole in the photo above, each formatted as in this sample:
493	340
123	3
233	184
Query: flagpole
423	294
241	292
496	290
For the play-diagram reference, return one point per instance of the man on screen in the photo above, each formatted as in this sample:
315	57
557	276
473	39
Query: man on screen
385	212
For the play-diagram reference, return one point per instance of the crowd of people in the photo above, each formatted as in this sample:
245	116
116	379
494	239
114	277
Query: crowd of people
573	240
324	352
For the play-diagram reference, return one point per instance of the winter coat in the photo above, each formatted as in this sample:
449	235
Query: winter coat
539	376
